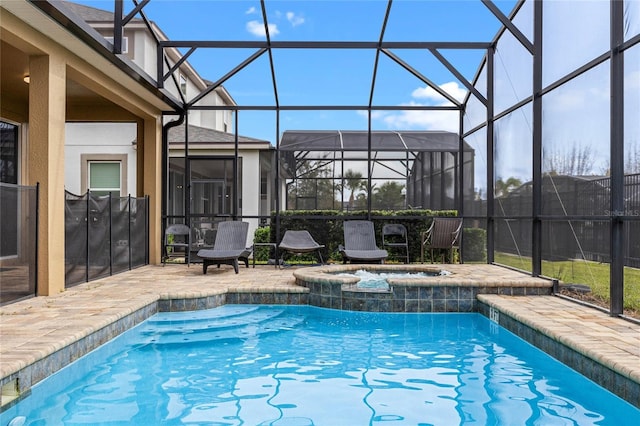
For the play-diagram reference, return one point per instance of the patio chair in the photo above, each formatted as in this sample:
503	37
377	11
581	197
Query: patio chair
394	236
299	242
443	234
228	247
177	243
360	243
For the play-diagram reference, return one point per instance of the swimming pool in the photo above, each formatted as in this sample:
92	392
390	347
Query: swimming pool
302	365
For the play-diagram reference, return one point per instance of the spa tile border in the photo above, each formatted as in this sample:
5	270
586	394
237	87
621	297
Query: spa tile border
408	298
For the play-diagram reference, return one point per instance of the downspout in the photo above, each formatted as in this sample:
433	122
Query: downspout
165	168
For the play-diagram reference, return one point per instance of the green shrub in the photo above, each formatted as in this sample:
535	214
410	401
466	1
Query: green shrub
326	227
262	235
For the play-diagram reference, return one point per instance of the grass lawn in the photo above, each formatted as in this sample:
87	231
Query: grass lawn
593	274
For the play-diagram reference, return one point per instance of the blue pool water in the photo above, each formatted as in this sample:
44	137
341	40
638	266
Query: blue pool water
301	365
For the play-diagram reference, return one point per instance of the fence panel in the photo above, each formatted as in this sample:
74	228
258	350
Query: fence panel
104	236
18	241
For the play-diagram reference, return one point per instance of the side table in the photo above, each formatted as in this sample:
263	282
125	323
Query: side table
275	252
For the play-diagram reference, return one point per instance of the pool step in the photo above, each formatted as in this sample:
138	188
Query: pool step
237	326
223	312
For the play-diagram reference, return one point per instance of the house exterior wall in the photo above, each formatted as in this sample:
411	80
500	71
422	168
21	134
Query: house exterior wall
144	52
87	141
93	139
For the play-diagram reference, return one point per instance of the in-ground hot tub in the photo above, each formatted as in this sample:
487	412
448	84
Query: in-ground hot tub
375	279
446	288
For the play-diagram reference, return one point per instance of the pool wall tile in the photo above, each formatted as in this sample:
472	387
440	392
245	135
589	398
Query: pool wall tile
438	292
397	305
451	305
177	305
190	304
439	305
465	305
426	305
232	298
164	305
371	305
314	299
518	291
281	299
426	293
412	306
451	293
466	293
412	293
399	292
385	306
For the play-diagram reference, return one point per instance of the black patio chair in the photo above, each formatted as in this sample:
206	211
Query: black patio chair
299	242
229	246
394	236
177	243
360	243
443	234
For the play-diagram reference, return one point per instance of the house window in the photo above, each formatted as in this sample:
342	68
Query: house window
10	205
104	177
183	84
125	43
8	152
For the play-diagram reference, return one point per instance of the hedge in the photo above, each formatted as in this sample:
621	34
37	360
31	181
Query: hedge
326	228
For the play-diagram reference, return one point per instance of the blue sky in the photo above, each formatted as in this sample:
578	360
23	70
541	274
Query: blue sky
330	77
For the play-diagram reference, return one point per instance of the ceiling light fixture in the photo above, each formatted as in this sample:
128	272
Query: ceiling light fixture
27	79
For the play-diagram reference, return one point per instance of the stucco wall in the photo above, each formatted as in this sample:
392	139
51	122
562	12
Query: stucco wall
98	138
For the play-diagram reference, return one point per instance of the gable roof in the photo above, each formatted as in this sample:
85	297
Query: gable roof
91	14
381	140
201	135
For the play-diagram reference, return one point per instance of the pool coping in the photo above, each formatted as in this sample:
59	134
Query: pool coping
613	369
36	360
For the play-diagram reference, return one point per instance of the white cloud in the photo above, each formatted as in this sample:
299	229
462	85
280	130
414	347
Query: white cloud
294	19
425	120
257	29
452	88
632	81
251	11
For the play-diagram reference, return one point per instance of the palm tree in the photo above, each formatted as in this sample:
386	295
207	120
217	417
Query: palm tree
353	181
389	196
502	188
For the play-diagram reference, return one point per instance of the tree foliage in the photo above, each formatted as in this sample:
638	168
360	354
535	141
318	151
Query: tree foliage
388	196
579	160
503	188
